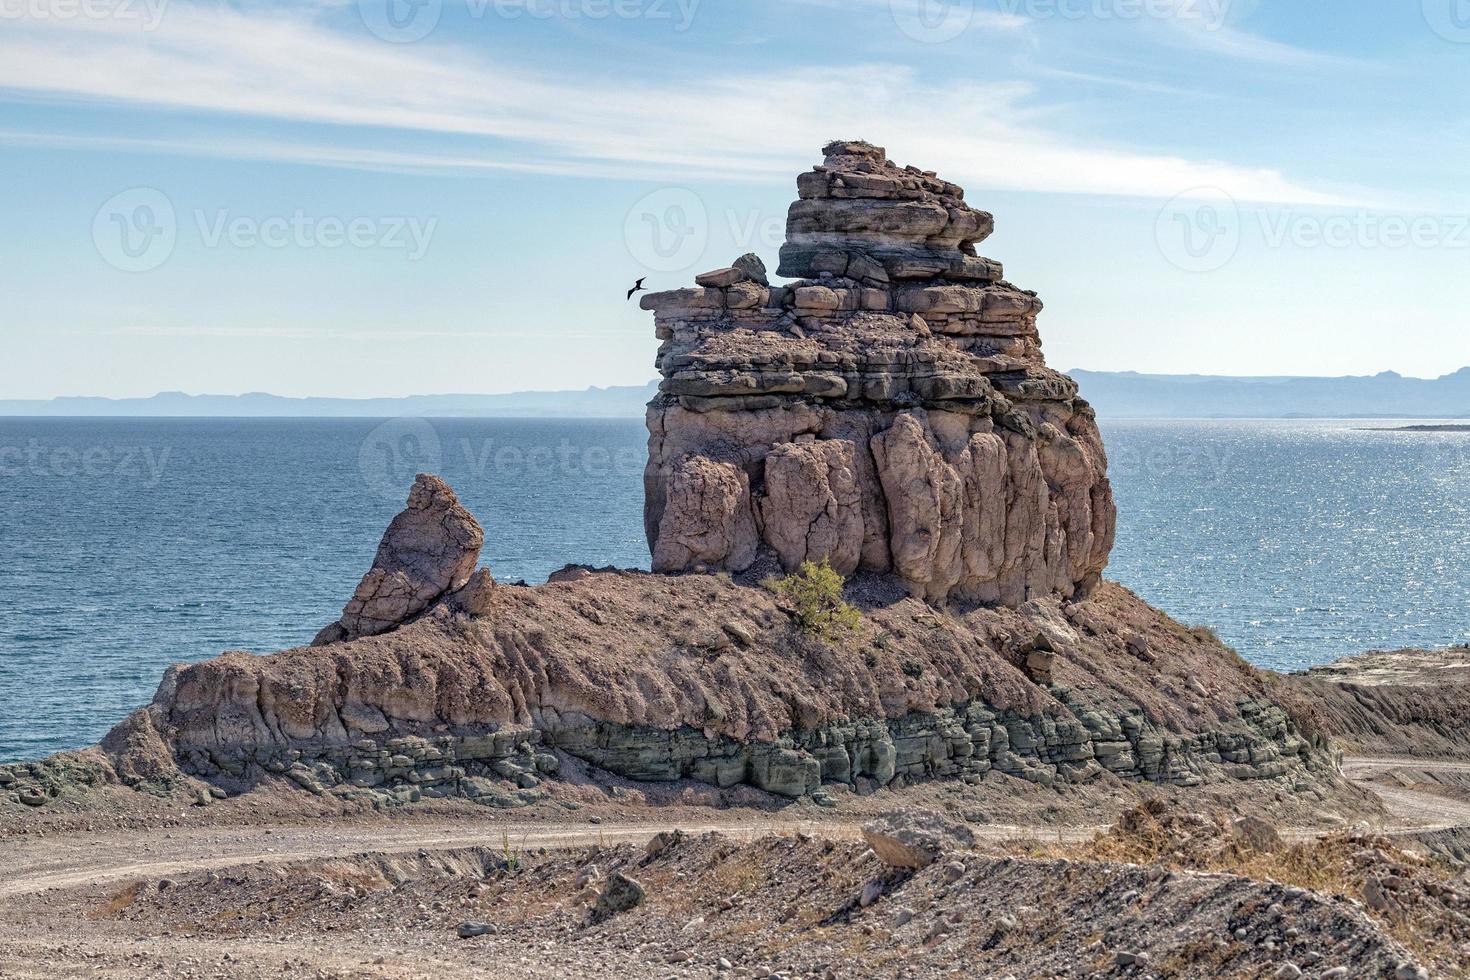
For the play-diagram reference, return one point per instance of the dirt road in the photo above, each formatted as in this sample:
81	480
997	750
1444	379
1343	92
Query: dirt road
28	866
61	861
1414	805
31	866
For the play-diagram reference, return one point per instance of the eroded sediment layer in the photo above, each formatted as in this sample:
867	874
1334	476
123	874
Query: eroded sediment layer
890	411
1402	702
505	768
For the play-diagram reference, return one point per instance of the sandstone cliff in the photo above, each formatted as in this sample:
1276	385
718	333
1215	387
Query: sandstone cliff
889	411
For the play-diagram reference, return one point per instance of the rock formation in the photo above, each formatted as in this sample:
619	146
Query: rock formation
889	411
429	550
659	678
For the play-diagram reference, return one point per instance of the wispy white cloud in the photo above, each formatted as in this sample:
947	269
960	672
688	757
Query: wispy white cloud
344	157
1205	25
1118	81
292	67
1229	42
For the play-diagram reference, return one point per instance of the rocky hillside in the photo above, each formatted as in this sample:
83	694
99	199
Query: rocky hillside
1168	892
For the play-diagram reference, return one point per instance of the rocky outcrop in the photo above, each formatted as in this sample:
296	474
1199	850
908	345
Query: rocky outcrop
662	678
429	550
813	505
914	839
890	411
965	742
710	519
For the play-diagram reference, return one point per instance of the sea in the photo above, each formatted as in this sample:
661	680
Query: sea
127	545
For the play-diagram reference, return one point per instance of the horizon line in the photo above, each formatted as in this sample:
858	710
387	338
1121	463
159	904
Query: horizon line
655	381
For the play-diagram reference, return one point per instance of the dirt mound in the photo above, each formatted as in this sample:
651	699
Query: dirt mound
1405	702
1420	898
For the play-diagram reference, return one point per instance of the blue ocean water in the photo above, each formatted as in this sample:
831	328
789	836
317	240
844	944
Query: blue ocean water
130	544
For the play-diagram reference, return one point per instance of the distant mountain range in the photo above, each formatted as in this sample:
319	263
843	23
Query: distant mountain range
1117	395
1126	395
591	403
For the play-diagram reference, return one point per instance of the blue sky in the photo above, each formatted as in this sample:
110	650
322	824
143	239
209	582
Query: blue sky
350	198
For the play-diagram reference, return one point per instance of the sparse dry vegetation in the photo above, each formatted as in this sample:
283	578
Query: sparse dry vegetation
119	901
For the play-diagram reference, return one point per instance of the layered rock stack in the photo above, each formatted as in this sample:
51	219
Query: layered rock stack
889	411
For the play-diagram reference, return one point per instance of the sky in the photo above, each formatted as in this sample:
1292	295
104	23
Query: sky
357	198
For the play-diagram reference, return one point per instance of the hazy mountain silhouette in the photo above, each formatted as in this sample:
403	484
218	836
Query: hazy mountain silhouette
1119	395
1387	395
590	403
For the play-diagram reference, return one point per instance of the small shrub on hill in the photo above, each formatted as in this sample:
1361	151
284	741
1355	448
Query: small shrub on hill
816	593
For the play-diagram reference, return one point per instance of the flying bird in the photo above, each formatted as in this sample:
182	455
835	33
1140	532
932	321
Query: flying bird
636	287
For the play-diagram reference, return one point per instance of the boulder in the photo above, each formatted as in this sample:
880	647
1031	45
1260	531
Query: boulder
915	839
429	550
753	267
720	278
471	930
1258	835
476	596
620	894
661	842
